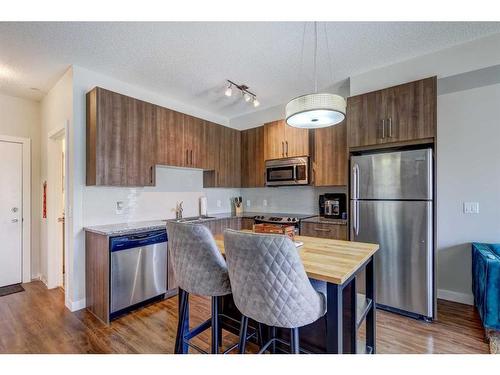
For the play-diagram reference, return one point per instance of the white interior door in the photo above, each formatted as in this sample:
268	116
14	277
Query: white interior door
11	192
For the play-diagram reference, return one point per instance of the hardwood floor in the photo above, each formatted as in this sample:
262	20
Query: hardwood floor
36	321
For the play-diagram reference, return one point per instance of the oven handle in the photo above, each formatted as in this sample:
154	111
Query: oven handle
295	172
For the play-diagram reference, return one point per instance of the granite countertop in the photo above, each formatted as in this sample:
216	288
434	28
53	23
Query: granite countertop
322	220
127	228
151	225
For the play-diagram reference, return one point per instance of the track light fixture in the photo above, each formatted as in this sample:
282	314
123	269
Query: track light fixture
247	95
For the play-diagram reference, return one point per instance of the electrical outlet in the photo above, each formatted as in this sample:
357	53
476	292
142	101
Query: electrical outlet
219	203
249	203
471	207
119	207
264	202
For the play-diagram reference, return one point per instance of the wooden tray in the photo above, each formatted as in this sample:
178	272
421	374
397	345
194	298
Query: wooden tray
289	230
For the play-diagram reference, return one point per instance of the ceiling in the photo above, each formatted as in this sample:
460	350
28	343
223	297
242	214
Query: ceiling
191	61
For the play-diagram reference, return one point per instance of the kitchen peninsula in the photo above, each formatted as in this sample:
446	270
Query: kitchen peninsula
335	265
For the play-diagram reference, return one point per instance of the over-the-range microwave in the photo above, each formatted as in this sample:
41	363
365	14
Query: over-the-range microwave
287	172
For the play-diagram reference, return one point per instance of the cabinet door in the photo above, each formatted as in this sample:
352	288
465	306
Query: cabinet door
296	141
169	134
247	223
364	119
274	140
252	157
148	146
111	138
411	111
210	146
330	156
233	144
193	140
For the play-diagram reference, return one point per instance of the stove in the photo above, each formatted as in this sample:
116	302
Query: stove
282	219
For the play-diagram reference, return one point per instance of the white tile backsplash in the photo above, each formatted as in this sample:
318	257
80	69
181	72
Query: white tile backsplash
287	199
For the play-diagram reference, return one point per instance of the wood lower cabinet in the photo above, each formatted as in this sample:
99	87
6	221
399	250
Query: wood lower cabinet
282	141
121	149
252	158
402	113
330	156
322	230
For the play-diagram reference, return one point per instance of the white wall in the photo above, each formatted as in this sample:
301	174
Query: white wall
467	149
56	111
468	162
21	118
466	57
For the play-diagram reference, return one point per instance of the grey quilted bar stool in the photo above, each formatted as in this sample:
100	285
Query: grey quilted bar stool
199	269
270	285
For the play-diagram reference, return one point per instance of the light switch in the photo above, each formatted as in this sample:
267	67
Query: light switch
471	207
119	207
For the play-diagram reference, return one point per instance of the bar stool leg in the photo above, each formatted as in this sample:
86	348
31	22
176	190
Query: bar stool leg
220	321
179	339
243	334
215	325
294	341
273	336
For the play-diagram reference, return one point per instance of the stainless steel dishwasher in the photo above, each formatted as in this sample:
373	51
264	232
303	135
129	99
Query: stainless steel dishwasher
138	269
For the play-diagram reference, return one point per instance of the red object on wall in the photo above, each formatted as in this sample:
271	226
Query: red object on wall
44	199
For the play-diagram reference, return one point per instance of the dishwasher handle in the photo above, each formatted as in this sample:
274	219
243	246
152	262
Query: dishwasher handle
137	240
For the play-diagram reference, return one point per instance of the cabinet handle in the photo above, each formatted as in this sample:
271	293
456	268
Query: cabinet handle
282	148
191	157
151	175
383	128
286	142
322	230
389	123
187	157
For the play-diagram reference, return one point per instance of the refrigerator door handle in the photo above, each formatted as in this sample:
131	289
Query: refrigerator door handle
355	181
355	218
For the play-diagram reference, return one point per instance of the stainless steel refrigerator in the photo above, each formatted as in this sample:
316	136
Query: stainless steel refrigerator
391	204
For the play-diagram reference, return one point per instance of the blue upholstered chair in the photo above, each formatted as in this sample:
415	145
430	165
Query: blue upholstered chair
486	283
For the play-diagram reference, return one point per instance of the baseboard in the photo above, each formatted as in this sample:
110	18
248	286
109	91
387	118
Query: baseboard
76	305
450	295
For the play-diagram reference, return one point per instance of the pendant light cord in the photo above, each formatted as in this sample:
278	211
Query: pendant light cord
315	56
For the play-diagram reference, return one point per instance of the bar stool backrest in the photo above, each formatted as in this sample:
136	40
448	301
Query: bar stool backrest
268	280
199	268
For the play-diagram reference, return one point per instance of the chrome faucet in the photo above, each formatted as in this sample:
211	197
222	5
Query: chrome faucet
178	210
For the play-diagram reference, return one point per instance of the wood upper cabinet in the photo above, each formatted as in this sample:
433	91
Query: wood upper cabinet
228	173
120	140
252	157
282	141
169	137
397	114
193	140
330	156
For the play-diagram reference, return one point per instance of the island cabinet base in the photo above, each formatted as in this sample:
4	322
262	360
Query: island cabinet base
322	336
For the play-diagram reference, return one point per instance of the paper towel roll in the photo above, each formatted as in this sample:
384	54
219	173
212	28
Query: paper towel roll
203	206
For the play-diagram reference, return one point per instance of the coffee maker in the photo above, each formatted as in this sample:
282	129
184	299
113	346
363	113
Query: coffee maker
332	205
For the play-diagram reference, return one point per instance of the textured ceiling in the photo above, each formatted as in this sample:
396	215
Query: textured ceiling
190	61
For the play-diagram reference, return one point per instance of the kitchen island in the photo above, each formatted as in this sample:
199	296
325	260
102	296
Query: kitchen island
333	265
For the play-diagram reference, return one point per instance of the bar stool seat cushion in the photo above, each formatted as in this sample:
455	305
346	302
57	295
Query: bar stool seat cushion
272	285
199	267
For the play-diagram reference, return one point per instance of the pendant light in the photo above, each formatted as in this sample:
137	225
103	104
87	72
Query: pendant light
316	110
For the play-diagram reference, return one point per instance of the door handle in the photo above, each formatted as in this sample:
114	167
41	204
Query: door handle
355	217
355	181
286	142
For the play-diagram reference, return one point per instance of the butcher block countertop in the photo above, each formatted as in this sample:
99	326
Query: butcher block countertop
333	261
